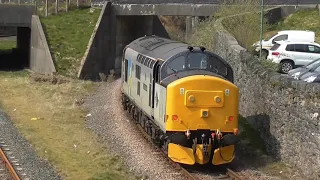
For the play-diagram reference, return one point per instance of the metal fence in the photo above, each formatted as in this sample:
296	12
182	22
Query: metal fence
16	1
50	7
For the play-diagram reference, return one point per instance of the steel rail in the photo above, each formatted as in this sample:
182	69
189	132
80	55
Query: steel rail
178	166
233	174
7	163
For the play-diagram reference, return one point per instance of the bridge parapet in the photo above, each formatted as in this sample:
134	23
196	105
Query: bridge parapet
16	15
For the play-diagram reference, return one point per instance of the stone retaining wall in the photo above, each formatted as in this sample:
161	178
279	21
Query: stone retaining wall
286	112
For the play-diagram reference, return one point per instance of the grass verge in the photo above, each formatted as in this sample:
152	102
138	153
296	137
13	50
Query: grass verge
7	44
307	19
68	35
47	113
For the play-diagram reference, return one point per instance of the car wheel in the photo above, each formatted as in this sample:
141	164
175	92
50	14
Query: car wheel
286	66
264	54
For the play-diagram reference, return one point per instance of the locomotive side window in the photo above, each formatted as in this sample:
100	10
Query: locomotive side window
150	95
126	70
138	88
176	65
138	72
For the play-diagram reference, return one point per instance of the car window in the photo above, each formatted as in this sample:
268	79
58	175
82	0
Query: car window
280	38
275	47
290	47
300	47
313	49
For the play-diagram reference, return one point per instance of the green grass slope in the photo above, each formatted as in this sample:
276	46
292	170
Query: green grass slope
68	35
301	20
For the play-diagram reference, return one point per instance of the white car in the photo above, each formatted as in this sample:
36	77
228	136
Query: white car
293	54
287	35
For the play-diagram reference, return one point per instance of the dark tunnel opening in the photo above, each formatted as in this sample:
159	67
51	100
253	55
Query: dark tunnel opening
14	48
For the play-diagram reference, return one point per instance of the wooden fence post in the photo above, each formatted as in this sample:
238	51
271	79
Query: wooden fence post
67	4
46	9
57	6
77	3
36	6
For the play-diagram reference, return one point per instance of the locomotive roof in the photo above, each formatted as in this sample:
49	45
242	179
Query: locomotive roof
157	47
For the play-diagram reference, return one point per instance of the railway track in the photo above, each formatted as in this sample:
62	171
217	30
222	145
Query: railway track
9	166
226	174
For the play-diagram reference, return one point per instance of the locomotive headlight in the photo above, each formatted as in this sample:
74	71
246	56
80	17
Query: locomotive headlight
204	112
218	99
192	98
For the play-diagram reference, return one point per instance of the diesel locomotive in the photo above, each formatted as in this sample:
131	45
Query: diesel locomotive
184	97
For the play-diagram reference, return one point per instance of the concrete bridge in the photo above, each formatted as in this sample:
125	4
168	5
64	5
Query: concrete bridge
31	42
119	23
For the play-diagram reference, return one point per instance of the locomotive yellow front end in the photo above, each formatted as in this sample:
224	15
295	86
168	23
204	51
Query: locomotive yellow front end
202	120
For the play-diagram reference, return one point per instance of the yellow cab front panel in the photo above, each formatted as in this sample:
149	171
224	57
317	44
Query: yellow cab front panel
202	102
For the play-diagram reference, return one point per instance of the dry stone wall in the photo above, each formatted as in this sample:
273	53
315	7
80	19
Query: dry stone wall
284	111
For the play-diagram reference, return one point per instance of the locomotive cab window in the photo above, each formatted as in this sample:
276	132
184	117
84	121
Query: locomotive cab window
176	65
197	61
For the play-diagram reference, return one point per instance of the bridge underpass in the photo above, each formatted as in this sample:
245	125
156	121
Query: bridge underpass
18	17
31	49
116	26
18	57
119	24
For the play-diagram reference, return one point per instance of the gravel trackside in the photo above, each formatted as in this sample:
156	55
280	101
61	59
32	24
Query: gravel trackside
122	137
34	167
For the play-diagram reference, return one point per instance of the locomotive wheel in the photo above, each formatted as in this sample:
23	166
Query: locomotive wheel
124	103
165	145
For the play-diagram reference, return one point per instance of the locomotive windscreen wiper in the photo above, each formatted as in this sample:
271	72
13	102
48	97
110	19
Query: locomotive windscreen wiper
175	71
